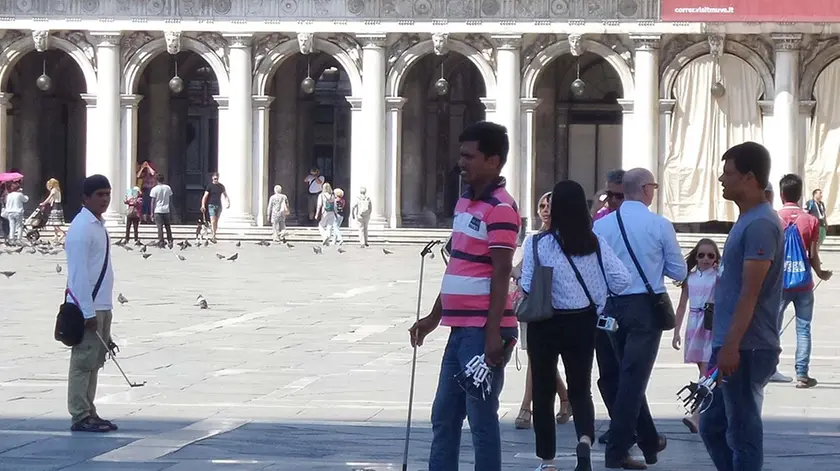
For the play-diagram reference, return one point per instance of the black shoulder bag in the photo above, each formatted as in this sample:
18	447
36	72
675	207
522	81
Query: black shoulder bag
663	310
70	321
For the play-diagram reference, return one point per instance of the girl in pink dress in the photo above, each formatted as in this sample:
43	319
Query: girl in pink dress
698	289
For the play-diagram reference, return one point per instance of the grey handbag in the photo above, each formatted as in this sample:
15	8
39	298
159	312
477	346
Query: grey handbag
536	305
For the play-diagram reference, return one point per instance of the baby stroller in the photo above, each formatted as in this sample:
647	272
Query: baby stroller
34	222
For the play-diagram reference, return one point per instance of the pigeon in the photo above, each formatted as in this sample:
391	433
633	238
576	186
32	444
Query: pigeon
201	302
289	245
238	244
32	251
17	250
317	250
146	255
387	252
58	268
340	250
233	257
127	248
122	299
206	243
119	242
143	249
8	274
56	251
220	256
180	257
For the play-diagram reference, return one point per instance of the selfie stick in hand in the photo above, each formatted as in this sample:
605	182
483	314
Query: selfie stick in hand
133	385
427	250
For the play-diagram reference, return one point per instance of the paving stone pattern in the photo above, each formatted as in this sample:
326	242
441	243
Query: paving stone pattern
302	363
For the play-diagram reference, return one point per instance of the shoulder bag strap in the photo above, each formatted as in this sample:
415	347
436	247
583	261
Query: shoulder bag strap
604	272
630	251
104	265
577	273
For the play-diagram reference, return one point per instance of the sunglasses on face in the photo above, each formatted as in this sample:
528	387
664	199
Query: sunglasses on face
612	194
543	206
702	255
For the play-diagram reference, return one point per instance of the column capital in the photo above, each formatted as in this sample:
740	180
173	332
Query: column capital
355	103
89	98
394	103
261	102
807	106
222	101
129	100
646	42
5	98
626	105
786	41
507	42
239	40
529	104
372	41
766	107
667	105
489	104
106	39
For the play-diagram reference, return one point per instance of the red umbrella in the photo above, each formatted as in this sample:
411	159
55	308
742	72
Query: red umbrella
10	177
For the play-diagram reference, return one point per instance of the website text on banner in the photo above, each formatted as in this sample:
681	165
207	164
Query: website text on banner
750	10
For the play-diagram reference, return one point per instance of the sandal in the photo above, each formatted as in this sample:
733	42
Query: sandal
111	426
565	413
523	420
543	467
89	424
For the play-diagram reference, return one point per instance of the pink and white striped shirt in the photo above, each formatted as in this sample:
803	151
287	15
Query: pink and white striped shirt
489	221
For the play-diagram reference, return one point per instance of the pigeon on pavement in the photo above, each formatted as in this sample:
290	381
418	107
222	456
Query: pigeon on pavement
146	255
233	257
201	302
58	268
220	256
8	274
238	244
340	250
122	299
317	250
180	257
387	252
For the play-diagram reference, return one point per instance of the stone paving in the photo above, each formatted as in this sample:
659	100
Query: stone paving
302	363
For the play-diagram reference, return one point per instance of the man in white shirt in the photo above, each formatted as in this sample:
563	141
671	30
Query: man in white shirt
88	265
161	195
636	343
315	183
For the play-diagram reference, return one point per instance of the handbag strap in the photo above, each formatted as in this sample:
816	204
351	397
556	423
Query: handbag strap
577	273
632	255
101	278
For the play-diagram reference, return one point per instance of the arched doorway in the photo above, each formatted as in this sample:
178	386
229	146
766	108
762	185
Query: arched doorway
47	129
308	130
178	130
578	137
430	182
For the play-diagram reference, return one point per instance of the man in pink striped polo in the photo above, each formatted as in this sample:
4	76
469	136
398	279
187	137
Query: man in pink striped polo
474	301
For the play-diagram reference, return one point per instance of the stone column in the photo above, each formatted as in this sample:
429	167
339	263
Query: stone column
394	137
628	133
368	167
489	108
128	141
261	105
358	149
106	156
508	80
645	150
92	134
5	105
235	155
529	158
784	147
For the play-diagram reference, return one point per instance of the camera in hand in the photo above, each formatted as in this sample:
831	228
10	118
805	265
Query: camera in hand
607	323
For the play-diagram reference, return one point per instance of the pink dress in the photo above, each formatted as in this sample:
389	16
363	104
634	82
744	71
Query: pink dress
698	340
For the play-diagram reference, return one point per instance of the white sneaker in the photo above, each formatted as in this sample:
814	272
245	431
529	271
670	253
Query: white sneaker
546	467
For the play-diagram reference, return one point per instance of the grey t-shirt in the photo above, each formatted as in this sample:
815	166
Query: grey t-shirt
757	235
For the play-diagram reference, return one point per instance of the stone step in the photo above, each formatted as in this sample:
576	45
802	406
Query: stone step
376	235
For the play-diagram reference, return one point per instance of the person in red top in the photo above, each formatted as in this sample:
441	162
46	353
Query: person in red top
790	189
475	302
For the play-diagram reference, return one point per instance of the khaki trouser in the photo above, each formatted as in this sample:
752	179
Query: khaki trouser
85	361
363	222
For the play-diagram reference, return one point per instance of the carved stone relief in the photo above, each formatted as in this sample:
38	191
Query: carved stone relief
761	45
9	36
716	44
41	38
674	45
131	43
399	46
349	45
541	42
306	42
173	41
484	46
813	46
620	46
440	43
217	43
80	40
575	47
264	45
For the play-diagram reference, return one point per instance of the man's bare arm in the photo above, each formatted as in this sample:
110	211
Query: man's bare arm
755	271
502	260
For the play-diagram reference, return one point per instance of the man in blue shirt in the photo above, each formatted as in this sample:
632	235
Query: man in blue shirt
625	371
745	336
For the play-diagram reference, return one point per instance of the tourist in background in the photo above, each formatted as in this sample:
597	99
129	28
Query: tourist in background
340	203
360	212
523	420
816	208
278	211
325	214
613	196
161	196
55	210
14	206
133	213
211	202
314	185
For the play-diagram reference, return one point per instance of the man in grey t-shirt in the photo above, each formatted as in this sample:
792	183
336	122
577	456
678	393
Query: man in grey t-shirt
745	338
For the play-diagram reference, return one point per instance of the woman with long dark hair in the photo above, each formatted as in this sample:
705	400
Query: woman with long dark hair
584	271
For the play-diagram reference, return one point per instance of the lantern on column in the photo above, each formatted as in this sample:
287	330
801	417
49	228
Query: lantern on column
44	82
578	87
441	85
176	83
307	85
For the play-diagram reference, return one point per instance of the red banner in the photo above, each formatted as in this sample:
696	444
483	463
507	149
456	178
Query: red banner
723	11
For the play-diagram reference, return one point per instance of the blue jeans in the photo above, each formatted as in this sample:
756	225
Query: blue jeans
452	405
803	307
731	427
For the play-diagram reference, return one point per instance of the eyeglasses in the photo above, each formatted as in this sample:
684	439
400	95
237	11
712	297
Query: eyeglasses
702	255
612	194
543	206
654	185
